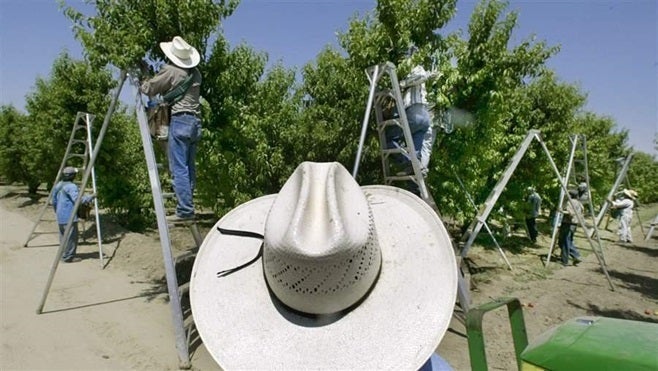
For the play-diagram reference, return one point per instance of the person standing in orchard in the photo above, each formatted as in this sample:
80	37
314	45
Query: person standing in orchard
533	201
625	205
185	123
65	193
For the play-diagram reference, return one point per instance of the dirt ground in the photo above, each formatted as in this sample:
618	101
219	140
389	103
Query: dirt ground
115	315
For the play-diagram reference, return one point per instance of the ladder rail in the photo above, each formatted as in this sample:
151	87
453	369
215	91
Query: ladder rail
89	119
364	126
558	212
418	178
594	229
163	229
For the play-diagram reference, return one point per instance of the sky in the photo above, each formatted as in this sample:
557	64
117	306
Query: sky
608	48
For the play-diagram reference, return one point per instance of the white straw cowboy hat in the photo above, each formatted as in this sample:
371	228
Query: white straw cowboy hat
346	277
630	193
180	52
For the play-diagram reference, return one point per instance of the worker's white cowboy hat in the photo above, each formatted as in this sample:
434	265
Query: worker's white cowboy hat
630	193
180	52
350	278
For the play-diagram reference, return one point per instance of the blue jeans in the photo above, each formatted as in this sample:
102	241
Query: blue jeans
419	121
184	135
71	243
566	243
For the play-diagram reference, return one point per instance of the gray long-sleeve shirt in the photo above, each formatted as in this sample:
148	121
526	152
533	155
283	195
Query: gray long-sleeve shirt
167	78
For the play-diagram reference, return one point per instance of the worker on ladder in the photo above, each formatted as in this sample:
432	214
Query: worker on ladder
185	126
418	115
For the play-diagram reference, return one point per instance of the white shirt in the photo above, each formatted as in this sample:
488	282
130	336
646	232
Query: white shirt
415	84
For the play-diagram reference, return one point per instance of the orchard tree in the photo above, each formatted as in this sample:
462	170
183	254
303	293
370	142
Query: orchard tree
74	87
124	32
643	177
52	107
15	137
246	146
486	82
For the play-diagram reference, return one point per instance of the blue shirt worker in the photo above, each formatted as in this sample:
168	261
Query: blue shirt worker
65	193
185	126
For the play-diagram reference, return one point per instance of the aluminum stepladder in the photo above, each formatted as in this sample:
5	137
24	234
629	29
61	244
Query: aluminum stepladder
83	185
182	328
479	221
484	222
375	74
78	149
574	164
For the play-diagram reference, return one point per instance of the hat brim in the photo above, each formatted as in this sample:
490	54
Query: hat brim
192	62
630	195
398	325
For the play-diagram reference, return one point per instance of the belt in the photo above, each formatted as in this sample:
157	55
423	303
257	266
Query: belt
184	113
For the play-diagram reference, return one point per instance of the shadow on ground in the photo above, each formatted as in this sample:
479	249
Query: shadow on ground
595	310
645	250
647	286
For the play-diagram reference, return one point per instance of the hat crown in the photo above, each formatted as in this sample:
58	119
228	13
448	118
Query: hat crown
69	171
181	48
180	52
321	253
630	193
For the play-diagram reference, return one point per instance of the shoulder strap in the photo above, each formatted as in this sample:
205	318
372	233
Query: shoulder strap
60	187
176	94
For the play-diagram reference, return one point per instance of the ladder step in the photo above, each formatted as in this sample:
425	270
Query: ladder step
391	122
168	195
392	151
400	177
